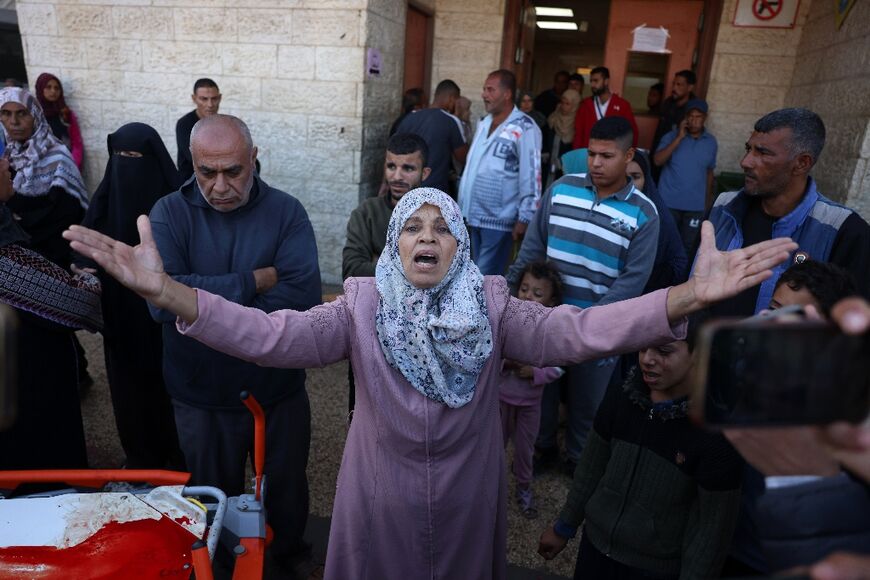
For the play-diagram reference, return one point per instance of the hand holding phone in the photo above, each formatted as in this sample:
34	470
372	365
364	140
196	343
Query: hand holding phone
770	373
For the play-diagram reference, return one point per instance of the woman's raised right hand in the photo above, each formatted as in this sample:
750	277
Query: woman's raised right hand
139	268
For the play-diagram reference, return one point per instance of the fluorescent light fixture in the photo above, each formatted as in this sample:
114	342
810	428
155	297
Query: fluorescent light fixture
553	25
555	12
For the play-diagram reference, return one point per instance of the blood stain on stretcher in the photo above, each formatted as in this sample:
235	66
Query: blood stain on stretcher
135	549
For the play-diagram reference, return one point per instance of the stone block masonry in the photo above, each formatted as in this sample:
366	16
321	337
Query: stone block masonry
293	69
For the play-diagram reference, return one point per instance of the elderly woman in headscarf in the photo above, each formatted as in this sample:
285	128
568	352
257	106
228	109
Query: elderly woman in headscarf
559	135
46	193
61	119
49	304
422	486
138	173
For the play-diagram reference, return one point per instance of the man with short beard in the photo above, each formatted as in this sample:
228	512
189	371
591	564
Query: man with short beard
405	168
601	104
501	185
781	199
229	233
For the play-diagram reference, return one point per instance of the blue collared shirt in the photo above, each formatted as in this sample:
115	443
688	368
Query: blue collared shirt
683	183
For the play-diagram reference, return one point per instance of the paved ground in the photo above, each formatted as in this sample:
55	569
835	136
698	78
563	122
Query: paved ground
327	390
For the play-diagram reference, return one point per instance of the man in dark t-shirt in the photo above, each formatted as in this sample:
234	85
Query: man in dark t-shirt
442	132
207	98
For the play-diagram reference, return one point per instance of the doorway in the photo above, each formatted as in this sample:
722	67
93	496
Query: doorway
418	49
11	51
600	32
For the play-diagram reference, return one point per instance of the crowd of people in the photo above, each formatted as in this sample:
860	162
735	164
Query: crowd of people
530	261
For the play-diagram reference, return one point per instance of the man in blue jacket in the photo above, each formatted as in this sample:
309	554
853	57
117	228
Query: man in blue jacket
501	184
229	233
780	199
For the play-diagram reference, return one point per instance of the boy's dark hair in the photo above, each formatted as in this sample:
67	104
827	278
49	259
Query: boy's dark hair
688	75
408	143
828	283
448	88
600	70
613	129
545	271
204	83
577	77
658	87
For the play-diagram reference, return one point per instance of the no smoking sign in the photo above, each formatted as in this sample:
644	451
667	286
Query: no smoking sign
766	13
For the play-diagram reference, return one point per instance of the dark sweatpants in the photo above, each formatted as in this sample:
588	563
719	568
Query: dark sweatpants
592	564
216	446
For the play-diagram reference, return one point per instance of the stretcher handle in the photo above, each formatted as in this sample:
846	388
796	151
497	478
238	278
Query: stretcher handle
95	478
259	439
201	562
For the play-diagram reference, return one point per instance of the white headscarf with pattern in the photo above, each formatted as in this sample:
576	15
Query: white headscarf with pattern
41	162
439	338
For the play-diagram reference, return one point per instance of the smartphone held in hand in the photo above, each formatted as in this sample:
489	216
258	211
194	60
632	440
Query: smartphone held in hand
767	372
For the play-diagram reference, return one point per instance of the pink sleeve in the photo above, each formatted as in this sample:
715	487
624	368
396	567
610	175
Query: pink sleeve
75	137
282	339
543	337
546	375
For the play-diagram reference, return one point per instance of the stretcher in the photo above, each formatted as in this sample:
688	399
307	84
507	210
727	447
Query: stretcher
160	528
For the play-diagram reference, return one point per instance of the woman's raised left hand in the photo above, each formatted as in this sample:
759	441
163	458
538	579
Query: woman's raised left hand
718	275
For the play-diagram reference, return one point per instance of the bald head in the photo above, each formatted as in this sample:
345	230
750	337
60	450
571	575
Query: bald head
223	161
221	127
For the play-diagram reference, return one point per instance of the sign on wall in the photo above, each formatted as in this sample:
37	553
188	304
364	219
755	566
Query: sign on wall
766	13
842	7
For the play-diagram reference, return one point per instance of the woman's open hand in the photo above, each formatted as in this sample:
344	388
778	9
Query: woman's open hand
139	268
718	275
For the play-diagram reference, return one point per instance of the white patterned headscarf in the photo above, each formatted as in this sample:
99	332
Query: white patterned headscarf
439	338
41	162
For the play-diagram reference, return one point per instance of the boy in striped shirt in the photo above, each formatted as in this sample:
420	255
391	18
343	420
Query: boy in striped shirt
601	233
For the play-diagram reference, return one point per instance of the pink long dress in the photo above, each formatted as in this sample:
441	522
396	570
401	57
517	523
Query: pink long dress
421	491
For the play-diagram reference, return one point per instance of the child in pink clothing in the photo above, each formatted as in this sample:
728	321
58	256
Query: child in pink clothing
523	386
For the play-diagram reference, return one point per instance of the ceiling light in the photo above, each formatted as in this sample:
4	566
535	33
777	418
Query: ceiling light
552	25
556	12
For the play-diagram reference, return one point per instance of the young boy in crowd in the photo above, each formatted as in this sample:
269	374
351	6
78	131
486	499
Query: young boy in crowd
523	386
659	496
811	283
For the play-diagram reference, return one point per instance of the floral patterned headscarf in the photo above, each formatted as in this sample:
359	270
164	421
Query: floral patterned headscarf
439	338
41	162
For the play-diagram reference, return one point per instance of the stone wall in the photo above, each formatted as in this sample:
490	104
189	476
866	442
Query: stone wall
752	73
832	77
467	47
292	69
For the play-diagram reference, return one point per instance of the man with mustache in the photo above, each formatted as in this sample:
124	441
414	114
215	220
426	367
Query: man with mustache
601	104
226	231
781	199
405	168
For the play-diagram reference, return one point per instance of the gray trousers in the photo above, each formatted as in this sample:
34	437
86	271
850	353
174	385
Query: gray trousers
216	444
585	386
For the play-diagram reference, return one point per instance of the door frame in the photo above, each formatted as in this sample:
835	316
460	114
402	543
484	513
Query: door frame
430	41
